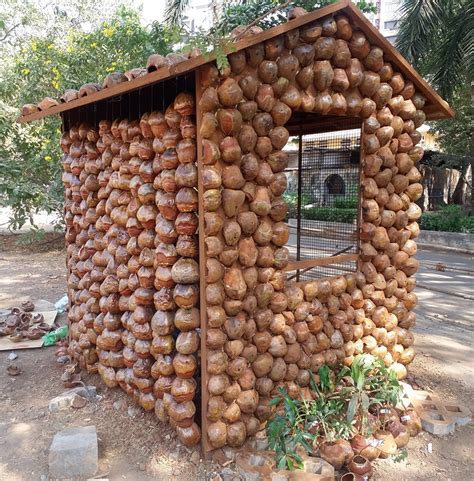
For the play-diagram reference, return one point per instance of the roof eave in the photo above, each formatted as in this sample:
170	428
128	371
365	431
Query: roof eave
437	108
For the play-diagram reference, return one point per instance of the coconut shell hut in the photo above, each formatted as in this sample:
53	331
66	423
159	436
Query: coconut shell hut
180	283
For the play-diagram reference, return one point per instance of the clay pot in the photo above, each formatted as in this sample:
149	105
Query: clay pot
365	446
399	432
336	453
388	447
361	466
411	421
352	477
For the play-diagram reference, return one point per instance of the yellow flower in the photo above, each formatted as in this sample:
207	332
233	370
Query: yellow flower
50	46
108	32
93	45
25	71
47	158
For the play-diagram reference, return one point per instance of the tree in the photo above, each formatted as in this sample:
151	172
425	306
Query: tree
243	12
45	65
456	139
436	36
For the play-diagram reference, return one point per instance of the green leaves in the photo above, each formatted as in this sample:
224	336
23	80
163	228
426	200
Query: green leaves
337	408
54	53
436	37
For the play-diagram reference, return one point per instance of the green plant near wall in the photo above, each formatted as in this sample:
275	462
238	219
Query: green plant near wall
298	423
365	385
342	399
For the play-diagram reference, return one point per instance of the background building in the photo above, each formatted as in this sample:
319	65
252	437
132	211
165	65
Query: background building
387	17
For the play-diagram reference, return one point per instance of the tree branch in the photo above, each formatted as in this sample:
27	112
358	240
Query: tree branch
258	19
9	31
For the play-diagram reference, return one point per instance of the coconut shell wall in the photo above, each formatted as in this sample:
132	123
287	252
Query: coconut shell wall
262	332
176	235
133	258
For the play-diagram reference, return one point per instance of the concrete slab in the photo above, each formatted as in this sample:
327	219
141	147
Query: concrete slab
74	452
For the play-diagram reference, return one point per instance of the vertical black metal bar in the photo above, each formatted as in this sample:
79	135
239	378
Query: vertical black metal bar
298	205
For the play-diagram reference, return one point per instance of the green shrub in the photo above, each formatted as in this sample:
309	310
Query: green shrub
346	203
448	219
330	214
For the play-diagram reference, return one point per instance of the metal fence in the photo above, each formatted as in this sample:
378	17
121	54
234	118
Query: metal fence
323	197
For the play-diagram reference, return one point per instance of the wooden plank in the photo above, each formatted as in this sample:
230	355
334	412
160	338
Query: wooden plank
322	261
186	66
441	108
206	448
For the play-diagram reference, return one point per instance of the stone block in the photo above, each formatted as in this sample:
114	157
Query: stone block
280	476
255	466
73	453
459	413
437	416
435	421
65	399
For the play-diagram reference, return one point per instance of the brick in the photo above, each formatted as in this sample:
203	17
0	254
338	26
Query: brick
315	469
435	421
74	452
459	413
255	466
280	476
437	416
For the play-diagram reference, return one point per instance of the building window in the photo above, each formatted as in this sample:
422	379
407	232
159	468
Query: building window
391	24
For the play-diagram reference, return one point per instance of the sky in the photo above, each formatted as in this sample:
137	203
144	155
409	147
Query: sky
199	14
155	9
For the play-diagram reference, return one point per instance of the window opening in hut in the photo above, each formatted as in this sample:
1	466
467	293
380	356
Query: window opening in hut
323	197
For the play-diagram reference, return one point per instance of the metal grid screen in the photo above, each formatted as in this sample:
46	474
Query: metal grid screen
323	197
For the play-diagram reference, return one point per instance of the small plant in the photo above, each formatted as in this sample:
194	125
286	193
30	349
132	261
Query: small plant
339	408
367	383
289	430
400	456
301	422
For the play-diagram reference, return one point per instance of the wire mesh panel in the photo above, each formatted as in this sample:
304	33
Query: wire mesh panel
323	197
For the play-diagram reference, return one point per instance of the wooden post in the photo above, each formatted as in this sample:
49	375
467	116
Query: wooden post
360	193
298	209
202	273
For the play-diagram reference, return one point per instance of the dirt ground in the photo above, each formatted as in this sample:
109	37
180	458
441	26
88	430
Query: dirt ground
140	448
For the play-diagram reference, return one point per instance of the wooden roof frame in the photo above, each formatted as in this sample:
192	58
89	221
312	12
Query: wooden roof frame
435	108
